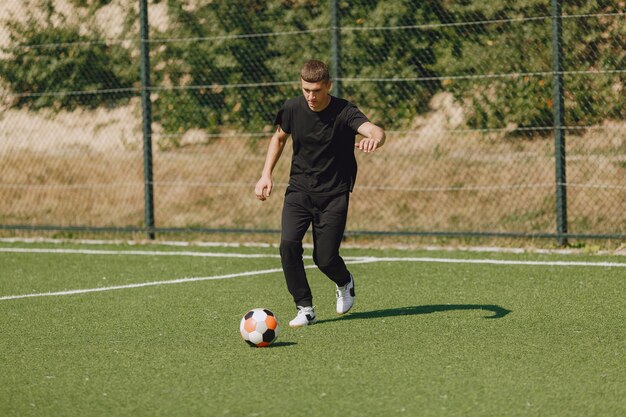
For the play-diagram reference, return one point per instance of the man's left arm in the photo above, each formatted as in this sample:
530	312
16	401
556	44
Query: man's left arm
373	137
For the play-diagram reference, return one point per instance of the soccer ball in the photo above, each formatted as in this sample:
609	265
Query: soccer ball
259	327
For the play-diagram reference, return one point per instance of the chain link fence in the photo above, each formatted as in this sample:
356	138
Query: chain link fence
465	91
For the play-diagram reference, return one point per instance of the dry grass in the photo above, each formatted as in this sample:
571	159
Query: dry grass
85	168
88	171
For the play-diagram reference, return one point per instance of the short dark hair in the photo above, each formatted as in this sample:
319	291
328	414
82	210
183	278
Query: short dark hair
314	71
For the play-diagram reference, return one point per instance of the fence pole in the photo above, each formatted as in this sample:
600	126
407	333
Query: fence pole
335	48
559	122
146	119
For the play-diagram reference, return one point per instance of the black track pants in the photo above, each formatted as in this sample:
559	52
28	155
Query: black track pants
328	216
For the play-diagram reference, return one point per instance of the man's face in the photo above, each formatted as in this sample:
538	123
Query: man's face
316	94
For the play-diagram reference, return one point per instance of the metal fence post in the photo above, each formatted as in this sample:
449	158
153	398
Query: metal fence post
335	48
559	122
146	119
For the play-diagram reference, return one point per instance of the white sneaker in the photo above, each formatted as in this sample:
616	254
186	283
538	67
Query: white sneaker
345	297
306	316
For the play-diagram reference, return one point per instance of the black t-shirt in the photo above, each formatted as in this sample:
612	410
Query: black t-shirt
323	160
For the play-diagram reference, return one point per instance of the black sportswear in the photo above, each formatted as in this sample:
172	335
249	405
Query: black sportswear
323	160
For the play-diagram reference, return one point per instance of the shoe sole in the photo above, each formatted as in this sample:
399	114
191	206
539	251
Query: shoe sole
302	325
352	294
340	313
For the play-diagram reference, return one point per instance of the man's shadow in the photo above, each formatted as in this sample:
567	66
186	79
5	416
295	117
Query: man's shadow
498	312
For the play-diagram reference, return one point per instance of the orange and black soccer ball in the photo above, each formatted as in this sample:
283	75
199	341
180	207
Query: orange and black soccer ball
259	327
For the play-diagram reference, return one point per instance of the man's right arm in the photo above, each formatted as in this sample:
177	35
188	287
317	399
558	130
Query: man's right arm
263	188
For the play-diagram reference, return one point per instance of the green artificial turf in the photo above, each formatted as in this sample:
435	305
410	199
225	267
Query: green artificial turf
424	338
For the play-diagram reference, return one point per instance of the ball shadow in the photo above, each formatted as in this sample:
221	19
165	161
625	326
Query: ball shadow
281	344
498	312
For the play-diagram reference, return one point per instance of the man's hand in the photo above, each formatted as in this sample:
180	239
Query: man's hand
373	137
368	144
263	188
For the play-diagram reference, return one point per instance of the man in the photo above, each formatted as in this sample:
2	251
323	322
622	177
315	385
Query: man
323	172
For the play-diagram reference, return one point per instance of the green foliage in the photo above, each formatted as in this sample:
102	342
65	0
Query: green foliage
214	62
506	48
56	66
232	63
209	80
93	4
405	53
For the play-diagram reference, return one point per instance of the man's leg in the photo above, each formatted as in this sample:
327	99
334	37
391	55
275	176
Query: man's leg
296	218
329	224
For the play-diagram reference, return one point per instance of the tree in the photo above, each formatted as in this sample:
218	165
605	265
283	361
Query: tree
54	65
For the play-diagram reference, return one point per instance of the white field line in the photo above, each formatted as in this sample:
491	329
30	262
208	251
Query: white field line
156	283
348	259
159	253
133	242
275	256
139	252
570	251
141	284
500	262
